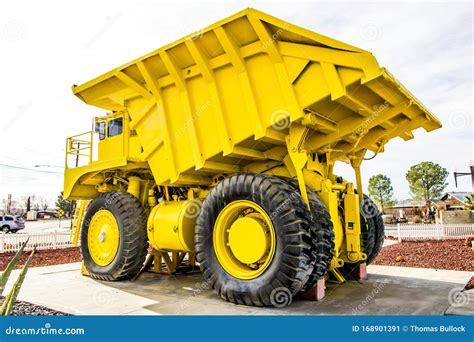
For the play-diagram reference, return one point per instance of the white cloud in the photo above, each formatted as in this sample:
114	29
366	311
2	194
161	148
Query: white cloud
49	45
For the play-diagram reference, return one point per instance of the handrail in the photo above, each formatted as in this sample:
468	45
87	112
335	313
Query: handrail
78	135
74	148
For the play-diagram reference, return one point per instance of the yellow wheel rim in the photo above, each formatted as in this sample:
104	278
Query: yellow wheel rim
244	239
103	237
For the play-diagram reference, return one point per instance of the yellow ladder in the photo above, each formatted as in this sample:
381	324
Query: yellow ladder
76	221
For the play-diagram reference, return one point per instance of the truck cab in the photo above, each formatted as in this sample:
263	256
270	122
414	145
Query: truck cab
111	136
110	144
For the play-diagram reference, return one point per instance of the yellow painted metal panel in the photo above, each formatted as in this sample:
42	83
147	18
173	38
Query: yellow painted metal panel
208	104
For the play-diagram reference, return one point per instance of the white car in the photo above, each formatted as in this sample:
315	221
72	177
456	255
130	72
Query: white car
10	223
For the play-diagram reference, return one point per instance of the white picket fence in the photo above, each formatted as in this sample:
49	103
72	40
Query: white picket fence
430	231
60	239
42	240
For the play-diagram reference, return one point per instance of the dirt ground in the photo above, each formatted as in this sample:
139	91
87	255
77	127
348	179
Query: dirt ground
44	258
445	254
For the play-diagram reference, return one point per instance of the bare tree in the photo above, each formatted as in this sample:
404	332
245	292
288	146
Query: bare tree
10	205
43	202
35	204
4	205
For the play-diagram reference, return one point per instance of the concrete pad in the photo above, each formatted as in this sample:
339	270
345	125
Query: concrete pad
457	277
388	291
462	303
389	242
63	288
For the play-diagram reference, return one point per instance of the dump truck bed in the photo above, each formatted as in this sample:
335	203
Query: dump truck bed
216	101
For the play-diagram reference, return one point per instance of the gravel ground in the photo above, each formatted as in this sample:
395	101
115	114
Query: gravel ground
445	254
44	258
27	309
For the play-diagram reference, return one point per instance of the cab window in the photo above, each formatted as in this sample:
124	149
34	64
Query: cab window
100	128
115	127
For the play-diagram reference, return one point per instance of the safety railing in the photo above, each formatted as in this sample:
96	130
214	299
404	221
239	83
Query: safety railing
79	149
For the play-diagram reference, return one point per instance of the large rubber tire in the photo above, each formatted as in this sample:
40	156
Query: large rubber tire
132	250
375	225
372	234
322	234
292	262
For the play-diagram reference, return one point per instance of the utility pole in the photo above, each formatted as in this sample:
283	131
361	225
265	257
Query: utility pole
9	204
460	174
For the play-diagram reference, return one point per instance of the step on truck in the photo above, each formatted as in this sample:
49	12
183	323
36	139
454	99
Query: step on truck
218	151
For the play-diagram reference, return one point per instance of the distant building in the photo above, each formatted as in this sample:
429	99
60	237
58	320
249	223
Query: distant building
451	208
453	201
407	210
410	207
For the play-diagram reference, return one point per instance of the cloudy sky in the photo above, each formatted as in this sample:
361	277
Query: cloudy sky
46	46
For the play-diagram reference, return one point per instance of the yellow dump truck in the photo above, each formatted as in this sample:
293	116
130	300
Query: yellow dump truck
218	150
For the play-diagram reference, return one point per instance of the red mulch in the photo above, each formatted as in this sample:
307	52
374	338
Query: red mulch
44	258
440	254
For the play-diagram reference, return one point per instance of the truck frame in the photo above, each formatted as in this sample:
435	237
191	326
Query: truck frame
219	150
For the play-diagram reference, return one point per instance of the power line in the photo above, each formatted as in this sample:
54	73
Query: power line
27	169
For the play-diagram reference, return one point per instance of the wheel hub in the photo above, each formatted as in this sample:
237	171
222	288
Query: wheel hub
244	239
248	239
103	237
